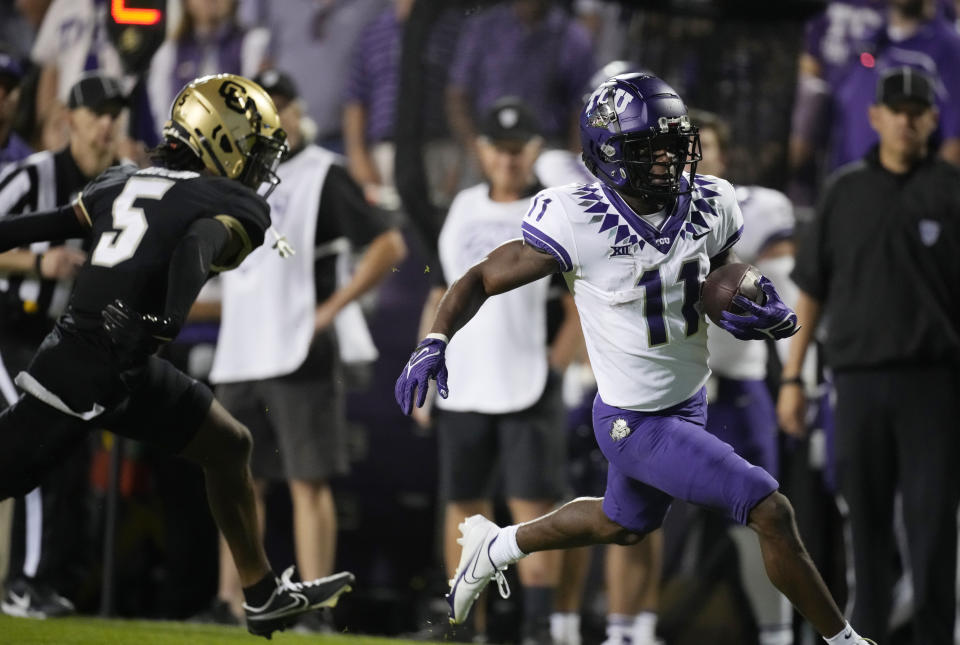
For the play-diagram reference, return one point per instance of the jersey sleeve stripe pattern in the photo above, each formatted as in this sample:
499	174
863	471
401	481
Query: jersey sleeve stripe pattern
731	240
537	238
81	209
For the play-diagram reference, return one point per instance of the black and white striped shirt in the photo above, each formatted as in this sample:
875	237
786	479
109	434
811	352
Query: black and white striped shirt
40	182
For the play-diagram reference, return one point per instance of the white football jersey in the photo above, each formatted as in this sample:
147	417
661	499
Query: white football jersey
636	286
498	362
767	218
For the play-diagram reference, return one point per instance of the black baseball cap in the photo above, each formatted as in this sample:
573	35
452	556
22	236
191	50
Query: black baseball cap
509	119
277	83
94	90
902	84
10	67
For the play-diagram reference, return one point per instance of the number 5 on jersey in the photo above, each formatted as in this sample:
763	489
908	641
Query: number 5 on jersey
129	221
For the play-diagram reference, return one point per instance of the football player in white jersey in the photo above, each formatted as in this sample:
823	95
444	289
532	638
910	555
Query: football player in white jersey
740	407
634	248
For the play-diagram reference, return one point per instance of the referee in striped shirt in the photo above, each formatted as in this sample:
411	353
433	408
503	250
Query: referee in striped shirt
34	285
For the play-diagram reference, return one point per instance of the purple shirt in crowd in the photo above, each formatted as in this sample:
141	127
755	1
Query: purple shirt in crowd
374	78
547	65
935	49
837	35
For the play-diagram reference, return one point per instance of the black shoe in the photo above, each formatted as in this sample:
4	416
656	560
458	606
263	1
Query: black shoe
290	599
218	613
34	600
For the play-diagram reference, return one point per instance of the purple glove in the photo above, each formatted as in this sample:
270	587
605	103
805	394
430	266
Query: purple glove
426	362
773	319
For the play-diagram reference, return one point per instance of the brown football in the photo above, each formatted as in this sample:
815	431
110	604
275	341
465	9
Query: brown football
724	283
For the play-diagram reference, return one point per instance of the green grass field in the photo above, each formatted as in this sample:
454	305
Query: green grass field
96	631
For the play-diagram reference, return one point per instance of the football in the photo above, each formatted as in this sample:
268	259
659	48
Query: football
726	282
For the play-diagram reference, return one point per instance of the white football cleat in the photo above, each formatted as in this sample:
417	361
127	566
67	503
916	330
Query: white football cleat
476	568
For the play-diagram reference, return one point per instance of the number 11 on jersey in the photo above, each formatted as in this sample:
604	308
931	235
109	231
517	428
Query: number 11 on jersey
653	302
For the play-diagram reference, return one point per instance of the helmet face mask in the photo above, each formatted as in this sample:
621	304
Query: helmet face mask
232	125
260	171
638	139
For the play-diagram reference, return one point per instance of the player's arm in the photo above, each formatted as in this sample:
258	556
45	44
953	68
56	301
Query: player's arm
191	264
63	223
727	256
510	265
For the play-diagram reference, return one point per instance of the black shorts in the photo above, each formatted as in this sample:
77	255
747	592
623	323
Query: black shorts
298	422
524	452
160	405
164	408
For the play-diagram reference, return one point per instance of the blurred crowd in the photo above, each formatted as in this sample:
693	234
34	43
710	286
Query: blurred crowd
395	110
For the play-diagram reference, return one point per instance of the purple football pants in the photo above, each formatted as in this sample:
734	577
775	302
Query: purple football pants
658	456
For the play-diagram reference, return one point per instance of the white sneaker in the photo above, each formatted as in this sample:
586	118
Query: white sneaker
476	568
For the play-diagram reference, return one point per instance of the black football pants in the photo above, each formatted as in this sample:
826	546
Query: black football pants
897	430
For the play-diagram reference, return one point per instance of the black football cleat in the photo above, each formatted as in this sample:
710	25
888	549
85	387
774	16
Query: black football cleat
291	599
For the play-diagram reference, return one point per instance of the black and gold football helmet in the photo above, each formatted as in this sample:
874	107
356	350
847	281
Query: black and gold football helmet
232	125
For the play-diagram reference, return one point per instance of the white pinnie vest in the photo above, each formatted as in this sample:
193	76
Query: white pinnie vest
497	362
269	301
636	286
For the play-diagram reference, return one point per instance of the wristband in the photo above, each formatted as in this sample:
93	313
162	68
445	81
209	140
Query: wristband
37	261
793	380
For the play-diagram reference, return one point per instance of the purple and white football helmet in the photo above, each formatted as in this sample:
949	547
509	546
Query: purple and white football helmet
637	138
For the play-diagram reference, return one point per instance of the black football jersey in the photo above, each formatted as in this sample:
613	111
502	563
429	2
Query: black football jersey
137	218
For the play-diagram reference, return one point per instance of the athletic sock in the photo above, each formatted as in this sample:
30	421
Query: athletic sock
644	628
258	594
565	628
846	637
504	549
619	627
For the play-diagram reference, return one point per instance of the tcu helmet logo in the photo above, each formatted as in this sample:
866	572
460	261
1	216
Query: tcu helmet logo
600	101
234	96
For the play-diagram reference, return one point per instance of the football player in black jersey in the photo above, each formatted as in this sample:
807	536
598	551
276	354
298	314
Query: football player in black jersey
156	235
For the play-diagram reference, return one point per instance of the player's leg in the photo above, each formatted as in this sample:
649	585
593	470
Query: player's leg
34	438
624	515
222	446
178	413
671	451
929	483
241	400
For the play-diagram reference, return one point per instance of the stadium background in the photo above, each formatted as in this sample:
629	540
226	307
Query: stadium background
737	59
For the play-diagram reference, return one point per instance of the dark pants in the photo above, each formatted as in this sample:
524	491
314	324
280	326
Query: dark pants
897	429
57	506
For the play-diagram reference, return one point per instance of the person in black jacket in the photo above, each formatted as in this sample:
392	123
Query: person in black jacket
880	265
